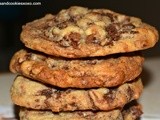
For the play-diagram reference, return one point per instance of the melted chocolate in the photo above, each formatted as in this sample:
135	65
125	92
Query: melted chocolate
46	92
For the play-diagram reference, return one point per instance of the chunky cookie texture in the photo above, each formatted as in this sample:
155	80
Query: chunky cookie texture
78	73
131	113
82	32
26	114
101	27
31	94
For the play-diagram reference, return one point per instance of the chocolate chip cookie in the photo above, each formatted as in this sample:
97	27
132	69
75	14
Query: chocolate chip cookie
81	32
26	114
35	95
82	73
117	114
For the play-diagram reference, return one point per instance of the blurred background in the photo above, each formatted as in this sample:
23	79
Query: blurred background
13	17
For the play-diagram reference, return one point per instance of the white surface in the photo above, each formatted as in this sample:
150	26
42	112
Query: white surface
6	106
150	98
7	111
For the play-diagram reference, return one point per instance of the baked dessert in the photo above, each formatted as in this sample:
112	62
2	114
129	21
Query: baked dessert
81	32
78	73
35	95
26	114
131	113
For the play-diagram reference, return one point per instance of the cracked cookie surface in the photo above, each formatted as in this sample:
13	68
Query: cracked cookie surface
81	32
81	73
31	94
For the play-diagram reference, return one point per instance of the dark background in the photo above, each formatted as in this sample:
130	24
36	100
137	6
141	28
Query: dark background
13	17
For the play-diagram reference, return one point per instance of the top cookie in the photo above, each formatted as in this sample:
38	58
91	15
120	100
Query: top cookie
80	32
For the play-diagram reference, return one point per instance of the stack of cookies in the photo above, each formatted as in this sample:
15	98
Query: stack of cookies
81	64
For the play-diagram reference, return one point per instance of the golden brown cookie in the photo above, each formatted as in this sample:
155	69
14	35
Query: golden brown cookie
32	94
133	112
81	32
26	114
83	73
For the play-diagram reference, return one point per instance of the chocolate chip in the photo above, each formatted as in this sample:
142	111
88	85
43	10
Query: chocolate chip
111	29
71	40
46	92
127	28
135	112
134	32
92	39
110	96
112	32
73	36
74	44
